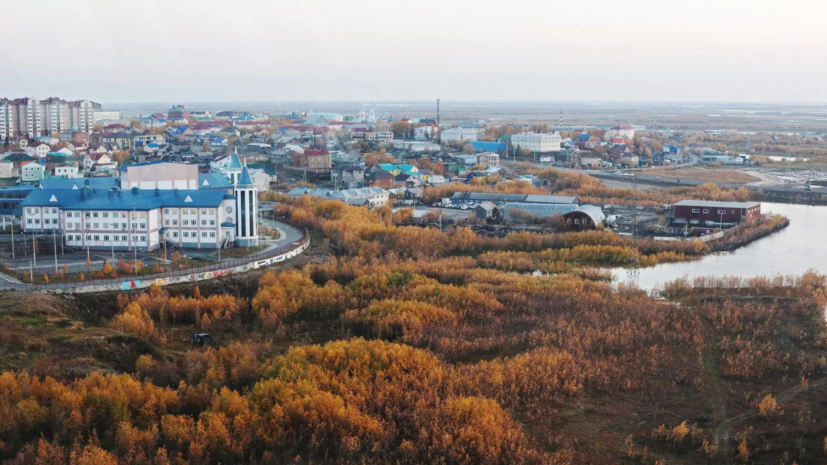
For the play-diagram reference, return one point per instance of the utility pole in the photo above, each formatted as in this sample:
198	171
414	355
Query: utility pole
54	246
12	235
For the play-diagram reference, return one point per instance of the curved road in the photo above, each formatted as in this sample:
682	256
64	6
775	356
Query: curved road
290	238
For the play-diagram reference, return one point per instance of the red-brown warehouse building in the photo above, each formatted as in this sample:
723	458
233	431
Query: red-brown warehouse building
702	212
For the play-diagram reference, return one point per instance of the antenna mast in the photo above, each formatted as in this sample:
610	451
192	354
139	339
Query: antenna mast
438	127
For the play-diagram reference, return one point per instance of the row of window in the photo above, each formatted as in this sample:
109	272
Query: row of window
191	234
189	211
706	210
189	222
97	237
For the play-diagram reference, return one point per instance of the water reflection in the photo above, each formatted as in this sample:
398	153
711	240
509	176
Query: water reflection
794	250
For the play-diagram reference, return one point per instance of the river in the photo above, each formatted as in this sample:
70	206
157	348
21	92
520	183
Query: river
793	250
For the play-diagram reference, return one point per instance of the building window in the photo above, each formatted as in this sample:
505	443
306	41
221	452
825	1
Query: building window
97	238
94	214
203	222
105	237
106	214
166	211
721	212
175	234
706	210
88	237
175	222
696	210
143	238
29	221
143	225
212	222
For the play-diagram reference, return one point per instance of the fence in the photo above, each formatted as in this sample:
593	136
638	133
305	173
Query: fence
225	267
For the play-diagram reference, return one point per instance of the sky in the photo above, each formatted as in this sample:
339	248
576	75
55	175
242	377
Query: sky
386	50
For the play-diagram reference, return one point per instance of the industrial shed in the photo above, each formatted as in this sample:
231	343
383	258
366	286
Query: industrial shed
577	216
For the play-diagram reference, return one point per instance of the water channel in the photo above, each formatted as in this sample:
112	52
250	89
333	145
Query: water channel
793	250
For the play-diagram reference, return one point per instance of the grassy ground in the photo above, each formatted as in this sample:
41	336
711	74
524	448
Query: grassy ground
716	175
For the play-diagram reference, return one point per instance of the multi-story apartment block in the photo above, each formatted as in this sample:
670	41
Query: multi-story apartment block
7	121
30	117
55	115
82	115
537	142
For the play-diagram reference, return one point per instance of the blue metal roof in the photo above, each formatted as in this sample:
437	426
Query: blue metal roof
134	199
245	179
481	146
93	183
213	181
235	163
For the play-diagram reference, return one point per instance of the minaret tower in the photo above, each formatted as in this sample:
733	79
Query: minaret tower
246	207
233	171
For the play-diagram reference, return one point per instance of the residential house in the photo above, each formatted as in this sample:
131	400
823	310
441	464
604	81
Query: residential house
487	211
66	170
32	172
179	131
488	159
19	160
7	170
348	175
624	130
317	160
370	135
425	132
122	139
93	158
570	157
381	178
587	141
38	150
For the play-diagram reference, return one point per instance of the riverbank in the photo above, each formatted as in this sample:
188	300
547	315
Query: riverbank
736	238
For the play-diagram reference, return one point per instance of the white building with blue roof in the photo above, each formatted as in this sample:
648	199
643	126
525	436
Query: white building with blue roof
153	204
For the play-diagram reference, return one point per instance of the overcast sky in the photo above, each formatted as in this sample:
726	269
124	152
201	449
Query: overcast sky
387	50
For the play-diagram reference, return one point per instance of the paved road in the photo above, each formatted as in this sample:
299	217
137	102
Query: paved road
76	261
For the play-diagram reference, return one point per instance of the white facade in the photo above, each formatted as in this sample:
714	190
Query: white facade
624	130
425	132
489	159
542	143
106	115
459	135
39	150
7	128
119	229
66	170
81	115
32	172
7	170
